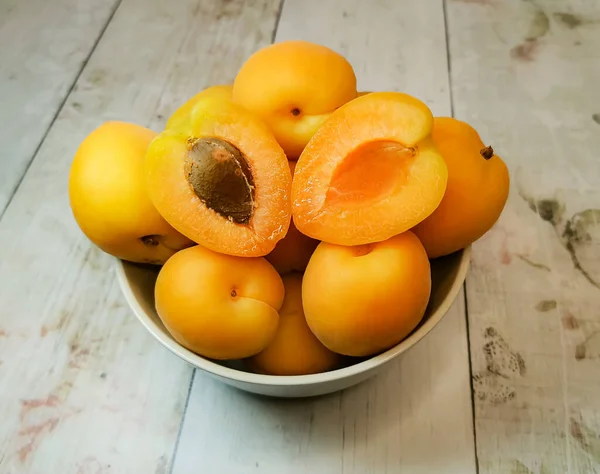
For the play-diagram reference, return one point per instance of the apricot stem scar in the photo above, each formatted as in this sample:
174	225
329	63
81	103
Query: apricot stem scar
233	293
295	111
150	240
487	152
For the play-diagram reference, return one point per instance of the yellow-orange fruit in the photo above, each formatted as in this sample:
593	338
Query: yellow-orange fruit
221	91
478	186
219	306
109	200
362	300
221	179
370	172
294	86
294	350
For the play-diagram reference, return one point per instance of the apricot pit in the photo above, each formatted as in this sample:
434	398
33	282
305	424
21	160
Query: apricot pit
221	178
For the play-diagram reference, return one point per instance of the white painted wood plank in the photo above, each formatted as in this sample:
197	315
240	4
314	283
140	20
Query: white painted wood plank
83	387
43	46
416	416
526	74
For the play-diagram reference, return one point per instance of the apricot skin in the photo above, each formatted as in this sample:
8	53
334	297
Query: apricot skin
362	300
294	350
294	86
476	193
219	306
109	200
221	91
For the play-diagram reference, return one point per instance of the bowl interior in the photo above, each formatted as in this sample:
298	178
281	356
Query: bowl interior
137	283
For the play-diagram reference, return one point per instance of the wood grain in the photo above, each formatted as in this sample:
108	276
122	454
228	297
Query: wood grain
526	74
416	416
84	388
43	47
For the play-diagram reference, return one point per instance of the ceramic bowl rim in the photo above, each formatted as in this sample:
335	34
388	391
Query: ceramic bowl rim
295	380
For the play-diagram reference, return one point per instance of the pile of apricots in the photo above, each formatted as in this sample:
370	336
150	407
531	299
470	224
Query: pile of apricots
293	218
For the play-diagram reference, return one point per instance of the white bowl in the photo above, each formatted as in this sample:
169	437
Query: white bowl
137	284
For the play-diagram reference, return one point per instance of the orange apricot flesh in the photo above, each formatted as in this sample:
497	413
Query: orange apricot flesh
222	180
361	300
370	172
293	252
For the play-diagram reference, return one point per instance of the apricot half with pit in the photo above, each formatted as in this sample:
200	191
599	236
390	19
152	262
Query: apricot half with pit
109	200
478	186
370	172
219	306
222	180
293	86
363	299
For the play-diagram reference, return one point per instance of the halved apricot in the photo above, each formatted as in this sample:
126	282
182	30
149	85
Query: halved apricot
294	86
478	187
222	180
183	112
370	172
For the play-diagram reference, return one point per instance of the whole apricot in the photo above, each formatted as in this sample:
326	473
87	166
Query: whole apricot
220	91
219	306
293	252
294	350
477	189
361	300
294	86
109	200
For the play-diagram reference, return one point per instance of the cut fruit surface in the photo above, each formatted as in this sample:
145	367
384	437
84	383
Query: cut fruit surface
370	172
221	179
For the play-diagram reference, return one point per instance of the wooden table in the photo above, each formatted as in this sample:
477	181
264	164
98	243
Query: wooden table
509	382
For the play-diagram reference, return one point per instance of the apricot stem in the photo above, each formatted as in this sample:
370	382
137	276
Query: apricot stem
221	177
487	152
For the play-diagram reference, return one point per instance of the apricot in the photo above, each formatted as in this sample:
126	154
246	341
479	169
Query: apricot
364	299
108	196
370	172
219	306
294	350
222	180
294	86
477	190
222	91
293	252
